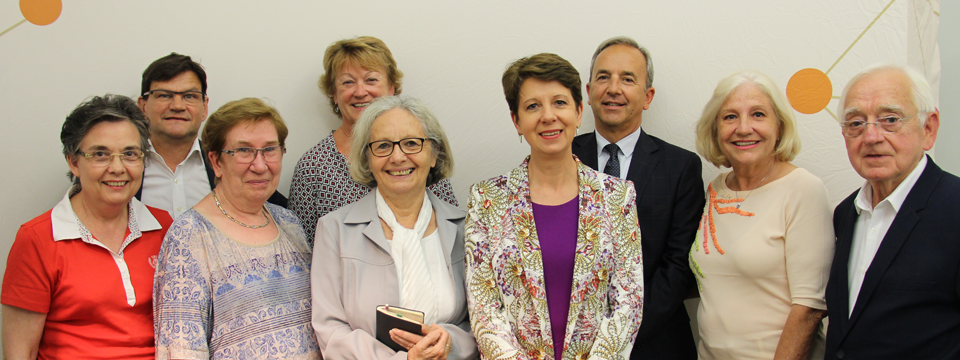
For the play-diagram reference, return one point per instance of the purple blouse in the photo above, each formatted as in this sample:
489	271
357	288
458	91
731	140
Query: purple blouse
557	230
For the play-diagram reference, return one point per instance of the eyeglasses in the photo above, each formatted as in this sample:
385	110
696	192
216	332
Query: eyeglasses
889	124
103	158
384	148
246	155
190	97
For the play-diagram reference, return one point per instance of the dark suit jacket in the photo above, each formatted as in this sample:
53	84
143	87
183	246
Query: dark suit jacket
670	201
277	198
909	304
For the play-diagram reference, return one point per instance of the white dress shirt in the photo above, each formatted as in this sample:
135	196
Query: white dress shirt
872	226
627	144
178	190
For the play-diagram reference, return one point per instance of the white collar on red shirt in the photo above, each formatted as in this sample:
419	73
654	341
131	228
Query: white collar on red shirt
65	220
897	197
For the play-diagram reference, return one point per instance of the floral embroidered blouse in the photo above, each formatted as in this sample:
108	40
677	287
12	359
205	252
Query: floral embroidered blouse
505	281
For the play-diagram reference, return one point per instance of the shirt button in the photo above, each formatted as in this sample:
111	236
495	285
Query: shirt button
179	208
176	181
873	230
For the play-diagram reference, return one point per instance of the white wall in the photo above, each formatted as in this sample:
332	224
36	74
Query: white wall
948	146
453	54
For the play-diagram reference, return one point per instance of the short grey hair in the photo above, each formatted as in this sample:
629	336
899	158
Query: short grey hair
623	40
360	157
919	88
95	110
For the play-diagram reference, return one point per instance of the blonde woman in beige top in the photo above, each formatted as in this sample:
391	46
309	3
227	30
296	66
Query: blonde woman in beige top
762	255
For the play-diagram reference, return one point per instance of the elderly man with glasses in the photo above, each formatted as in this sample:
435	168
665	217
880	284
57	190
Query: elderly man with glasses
174	99
894	288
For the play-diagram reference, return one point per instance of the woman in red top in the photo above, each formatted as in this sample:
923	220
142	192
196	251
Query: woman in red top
79	277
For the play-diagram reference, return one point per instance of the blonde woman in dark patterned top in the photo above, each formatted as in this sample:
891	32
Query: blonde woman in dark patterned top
554	262
356	71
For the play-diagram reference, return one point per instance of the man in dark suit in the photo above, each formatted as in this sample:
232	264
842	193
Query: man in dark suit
669	191
894	288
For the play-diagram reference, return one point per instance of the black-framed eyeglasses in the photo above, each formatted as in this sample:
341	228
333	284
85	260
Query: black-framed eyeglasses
384	148
890	124
246	155
162	96
104	158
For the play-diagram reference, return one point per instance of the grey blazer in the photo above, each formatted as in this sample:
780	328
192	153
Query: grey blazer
353	273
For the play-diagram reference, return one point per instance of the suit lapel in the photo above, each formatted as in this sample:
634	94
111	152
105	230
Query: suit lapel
643	162
590	207
447	218
845	226
365	211
585	148
906	219
528	243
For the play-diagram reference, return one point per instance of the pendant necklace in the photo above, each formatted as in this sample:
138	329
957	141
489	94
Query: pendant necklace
737	192
237	221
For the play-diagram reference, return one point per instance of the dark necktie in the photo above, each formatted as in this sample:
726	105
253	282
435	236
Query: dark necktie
613	165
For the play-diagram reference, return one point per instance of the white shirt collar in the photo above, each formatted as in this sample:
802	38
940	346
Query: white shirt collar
627	144
194	149
897	197
65	223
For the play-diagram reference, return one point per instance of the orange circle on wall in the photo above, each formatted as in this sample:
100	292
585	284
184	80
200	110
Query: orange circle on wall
809	91
41	12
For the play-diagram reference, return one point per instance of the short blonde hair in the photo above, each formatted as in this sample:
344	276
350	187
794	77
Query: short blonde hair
367	52
708	142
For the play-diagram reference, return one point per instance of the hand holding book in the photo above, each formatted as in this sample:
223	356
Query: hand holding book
403	330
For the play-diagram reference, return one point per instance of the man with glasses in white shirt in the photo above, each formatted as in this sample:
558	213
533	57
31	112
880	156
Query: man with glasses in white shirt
894	287
173	96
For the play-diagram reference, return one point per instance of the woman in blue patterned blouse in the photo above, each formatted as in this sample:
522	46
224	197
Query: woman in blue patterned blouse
233	278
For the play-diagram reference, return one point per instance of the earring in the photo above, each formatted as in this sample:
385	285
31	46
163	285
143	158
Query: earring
336	109
521	138
578	130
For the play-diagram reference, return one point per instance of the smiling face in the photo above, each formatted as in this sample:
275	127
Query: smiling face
400	174
885	159
255	181
547	117
747	127
617	90
356	87
175	119
117	182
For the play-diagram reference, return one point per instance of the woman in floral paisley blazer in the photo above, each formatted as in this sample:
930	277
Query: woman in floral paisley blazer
554	266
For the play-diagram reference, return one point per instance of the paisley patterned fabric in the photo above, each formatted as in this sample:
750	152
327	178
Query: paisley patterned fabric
215	298
506	294
322	183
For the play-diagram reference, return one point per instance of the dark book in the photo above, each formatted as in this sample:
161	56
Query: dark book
395	317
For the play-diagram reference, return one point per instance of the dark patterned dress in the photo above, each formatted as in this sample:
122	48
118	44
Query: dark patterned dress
216	298
322	184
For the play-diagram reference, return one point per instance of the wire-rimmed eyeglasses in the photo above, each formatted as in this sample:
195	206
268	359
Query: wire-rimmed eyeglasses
104	158
889	124
162	96
246	155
